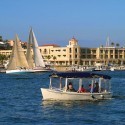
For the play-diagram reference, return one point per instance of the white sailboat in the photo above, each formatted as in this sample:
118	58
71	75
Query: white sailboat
18	62
39	65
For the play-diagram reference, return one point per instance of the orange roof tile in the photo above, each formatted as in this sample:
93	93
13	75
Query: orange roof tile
55	45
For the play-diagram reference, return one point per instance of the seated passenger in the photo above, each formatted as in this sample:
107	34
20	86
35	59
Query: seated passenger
96	89
90	88
81	89
70	88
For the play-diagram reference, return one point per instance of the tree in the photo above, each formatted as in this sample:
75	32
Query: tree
48	57
8	47
112	44
1	39
3	57
54	58
101	46
117	44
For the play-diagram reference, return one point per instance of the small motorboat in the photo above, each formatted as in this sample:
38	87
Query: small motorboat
59	85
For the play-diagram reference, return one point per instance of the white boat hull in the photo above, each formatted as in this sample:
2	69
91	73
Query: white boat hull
42	70
50	94
19	71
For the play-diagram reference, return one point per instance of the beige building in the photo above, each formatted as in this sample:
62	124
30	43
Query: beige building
10	42
73	54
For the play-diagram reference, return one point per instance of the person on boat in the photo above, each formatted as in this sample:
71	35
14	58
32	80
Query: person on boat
90	89
81	89
96	88
70	88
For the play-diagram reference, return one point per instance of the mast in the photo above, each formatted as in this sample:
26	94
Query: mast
29	53
107	41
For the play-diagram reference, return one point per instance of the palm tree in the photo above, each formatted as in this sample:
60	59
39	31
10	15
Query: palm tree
101	46
117	44
54	58
48	57
112	44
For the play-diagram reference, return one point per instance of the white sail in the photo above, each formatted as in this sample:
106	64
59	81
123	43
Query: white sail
29	52
38	60
17	58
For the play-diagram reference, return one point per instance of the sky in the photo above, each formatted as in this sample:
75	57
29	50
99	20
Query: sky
57	21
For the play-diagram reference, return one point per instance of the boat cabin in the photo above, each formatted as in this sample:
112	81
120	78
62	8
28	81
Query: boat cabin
89	81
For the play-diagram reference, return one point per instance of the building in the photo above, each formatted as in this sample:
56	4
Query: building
73	54
10	42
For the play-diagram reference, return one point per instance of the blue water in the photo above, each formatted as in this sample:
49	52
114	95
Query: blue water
21	103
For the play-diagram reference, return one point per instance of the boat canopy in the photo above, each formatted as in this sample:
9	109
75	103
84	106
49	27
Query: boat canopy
79	75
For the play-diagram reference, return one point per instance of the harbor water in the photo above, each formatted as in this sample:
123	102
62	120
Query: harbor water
21	103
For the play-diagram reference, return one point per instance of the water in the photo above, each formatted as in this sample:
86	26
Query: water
21	103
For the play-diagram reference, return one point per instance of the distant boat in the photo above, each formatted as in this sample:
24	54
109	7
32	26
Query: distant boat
38	65
18	62
81	68
117	68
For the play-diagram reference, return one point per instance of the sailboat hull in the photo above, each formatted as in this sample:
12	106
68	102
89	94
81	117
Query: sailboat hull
42	69
19	71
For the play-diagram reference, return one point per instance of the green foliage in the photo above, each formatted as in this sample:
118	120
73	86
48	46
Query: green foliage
54	58
3	57
112	44
117	44
48	57
1	39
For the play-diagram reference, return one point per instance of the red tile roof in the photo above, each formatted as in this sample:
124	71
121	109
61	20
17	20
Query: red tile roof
55	45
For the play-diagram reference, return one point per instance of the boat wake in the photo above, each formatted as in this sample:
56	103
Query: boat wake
120	97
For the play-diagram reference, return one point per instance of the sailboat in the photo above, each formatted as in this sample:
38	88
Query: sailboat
18	62
39	65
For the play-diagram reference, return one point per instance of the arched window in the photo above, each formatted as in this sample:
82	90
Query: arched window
76	50
70	50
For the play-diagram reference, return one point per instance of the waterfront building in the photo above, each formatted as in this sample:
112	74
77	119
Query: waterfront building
73	54
10	42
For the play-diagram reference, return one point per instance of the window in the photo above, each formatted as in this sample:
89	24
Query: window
111	56
45	50
70	50
101	51
116	56
88	51
76	50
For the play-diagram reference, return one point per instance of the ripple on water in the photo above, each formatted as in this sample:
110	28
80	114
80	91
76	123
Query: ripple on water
21	103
